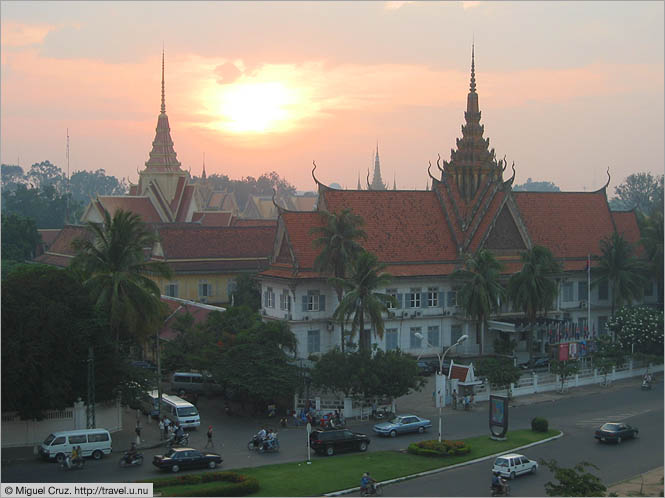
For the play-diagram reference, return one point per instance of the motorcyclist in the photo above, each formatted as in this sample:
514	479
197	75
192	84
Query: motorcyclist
497	483
179	433
131	454
270	439
367	484
73	458
262	434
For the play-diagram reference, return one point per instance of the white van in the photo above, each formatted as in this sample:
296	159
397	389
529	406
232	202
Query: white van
93	442
178	410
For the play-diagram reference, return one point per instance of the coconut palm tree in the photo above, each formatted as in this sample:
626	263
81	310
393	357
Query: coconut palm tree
534	288
116	273
338	242
361	300
480	290
625	273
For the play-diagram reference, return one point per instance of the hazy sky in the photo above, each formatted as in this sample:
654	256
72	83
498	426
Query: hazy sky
566	89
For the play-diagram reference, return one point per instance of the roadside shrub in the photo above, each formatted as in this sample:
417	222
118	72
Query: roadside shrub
230	484
539	424
436	449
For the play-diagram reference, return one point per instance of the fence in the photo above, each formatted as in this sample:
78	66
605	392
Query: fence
535	383
17	432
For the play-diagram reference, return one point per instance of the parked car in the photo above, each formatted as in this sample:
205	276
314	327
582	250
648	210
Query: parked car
332	441
616	431
512	465
402	424
186	458
425	368
537	363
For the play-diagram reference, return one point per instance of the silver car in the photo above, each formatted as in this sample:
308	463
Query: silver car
402	424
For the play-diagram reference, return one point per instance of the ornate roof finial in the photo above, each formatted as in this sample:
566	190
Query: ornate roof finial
394	182
359	186
472	87
163	98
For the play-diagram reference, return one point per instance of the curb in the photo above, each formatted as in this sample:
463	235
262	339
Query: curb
443	469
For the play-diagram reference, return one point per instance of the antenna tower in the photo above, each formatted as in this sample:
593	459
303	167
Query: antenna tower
67	191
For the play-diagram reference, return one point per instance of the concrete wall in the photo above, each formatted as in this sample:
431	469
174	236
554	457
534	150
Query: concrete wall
17	432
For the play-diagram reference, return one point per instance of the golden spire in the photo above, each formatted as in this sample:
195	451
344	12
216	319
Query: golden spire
163	99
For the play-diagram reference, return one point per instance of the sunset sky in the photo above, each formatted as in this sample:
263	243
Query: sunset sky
566	89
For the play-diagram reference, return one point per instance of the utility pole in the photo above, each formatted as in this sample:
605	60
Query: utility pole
90	407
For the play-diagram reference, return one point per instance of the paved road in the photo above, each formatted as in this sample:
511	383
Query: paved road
576	416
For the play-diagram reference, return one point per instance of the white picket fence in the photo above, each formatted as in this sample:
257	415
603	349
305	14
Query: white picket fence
17	432
535	383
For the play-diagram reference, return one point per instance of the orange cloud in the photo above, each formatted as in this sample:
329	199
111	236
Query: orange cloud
16	34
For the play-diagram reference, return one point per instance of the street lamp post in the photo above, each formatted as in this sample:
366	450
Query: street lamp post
441	378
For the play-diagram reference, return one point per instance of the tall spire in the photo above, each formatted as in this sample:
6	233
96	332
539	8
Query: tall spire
359	186
163	97
394	182
472	86
377	183
203	175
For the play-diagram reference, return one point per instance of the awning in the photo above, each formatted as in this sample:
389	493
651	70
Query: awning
501	326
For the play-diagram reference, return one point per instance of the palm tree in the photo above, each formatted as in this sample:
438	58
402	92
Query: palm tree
623	271
361	299
338	240
534	288
481	290
116	273
652	240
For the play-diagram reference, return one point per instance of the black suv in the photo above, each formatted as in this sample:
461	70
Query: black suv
331	441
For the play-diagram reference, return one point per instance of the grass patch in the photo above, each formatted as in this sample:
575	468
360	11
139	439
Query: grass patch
344	471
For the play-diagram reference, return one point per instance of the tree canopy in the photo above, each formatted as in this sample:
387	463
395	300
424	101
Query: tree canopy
19	237
641	191
573	481
532	186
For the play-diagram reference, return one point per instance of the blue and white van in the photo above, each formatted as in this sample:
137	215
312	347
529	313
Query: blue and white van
178	410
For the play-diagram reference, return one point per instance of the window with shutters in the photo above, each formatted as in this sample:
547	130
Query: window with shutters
314	301
582	288
313	341
391	339
393	293
414	298
452	299
433	297
270	298
567	291
433	335
171	290
603	291
455	333
205	290
285	301
602	325
415	342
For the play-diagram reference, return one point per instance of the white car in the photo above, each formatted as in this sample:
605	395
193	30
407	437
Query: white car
512	465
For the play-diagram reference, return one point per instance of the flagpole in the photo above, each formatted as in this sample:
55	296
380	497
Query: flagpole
588	294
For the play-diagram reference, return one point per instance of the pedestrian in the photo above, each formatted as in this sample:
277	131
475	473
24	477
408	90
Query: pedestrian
138	432
167	426
209	434
454	399
374	409
162	427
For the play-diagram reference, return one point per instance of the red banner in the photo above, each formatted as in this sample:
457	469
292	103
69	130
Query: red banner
563	352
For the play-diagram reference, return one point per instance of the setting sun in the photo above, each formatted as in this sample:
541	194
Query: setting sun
256	107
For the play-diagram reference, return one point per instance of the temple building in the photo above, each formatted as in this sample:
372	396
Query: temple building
423	237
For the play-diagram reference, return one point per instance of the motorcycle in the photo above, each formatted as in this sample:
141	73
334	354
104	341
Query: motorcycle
175	441
646	385
269	445
255	443
384	414
503	490
136	461
68	464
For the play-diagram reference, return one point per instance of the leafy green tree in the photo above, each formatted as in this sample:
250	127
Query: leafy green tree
12	175
573	481
48	324
362	299
338	243
564	369
500	372
86	184
397	374
638	329
19	237
503	344
534	289
652	241
480	289
642	191
44	174
621	269
335	371
117	274
246	291
46	205
608	354
258	366
532	186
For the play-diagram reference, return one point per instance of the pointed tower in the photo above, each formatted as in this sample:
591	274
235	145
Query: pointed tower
203	173
359	187
473	162
394	182
377	183
162	166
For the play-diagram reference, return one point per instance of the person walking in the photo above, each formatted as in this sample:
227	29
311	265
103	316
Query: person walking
454	399
209	434
162	432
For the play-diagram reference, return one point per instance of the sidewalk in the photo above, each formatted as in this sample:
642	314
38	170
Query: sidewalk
647	484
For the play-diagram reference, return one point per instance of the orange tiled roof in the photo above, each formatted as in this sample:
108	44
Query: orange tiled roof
213	218
626	225
60	253
459	372
187	196
196	242
48	235
570	224
139	205
167	332
401	225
